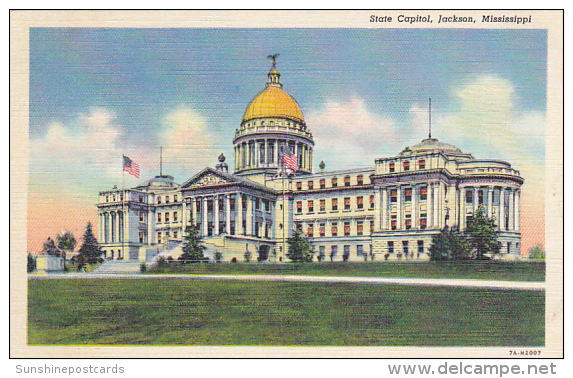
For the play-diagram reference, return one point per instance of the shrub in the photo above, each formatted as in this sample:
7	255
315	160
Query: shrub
143	268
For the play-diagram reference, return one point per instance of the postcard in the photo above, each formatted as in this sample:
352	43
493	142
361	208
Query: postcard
384	184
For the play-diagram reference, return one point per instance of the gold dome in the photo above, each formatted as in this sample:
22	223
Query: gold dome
273	102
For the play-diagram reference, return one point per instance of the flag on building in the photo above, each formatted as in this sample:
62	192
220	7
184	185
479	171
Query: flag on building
289	160
130	166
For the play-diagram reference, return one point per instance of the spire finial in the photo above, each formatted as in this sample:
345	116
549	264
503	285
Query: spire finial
430	118
273	58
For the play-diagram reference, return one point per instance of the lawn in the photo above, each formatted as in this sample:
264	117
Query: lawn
487	270
205	312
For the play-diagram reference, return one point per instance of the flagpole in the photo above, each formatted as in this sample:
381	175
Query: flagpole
123	207
284	203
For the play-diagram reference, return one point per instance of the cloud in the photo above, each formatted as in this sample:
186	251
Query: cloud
349	134
189	144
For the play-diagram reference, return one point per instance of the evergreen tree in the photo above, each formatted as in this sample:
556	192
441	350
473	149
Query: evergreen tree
49	248
482	235
90	251
31	266
449	244
299	249
193	247
66	242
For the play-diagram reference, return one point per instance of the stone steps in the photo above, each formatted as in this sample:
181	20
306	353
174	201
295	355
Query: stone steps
118	267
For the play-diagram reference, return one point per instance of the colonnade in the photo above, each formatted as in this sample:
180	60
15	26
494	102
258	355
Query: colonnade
223	219
264	153
111	226
443	206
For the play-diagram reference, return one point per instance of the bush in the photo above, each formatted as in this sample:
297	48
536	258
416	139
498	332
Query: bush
31	263
143	268
218	257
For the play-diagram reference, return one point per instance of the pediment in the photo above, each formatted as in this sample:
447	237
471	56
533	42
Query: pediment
208	177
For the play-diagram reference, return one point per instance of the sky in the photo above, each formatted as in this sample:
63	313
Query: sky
98	93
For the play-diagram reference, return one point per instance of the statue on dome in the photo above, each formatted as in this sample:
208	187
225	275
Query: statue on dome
273	58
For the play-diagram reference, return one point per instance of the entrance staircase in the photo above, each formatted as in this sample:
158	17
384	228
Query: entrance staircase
117	267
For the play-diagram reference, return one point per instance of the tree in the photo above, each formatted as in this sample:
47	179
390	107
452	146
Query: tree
49	248
90	251
66	242
449	244
193	247
537	252
248	254
31	266
218	257
299	249
481	234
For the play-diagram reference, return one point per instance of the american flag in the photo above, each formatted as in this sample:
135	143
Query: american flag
289	160
130	166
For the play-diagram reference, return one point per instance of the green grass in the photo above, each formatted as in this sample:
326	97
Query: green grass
204	312
487	270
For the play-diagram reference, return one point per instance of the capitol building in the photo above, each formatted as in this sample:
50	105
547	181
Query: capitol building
388	211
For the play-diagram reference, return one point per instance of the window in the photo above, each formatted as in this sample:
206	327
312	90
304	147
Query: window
257	204
142	216
346	180
198	206
267	206
232	204
371	201
480	197
140	198
322	205
166	199
310	185
408	221
175	216
321	229
346	253
334	182
244	202
371	227
175	234
322	183
310	206
334	228
158	217
359	180
159	237
335	204
393	222
141	237
423	193
423	221
406	165
333	252
359	250
391	167
469	196
310	230
346	203
166	217
346	228
175	198
405	247
159	200
420	247
421	164
298	185
299	207
407	194
360	202
390	247
393	195
360	228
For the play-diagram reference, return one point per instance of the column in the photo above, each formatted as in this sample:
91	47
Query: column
429	204
502	209
216	215
437	204
100	223
266	153
490	201
205	218
414	204
475	200
228	214
516	205
194	202
184	216
296	153
462	199
511	210
384	209
276	153
257	153
377	210
399	208
247	154
239	214
250	215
